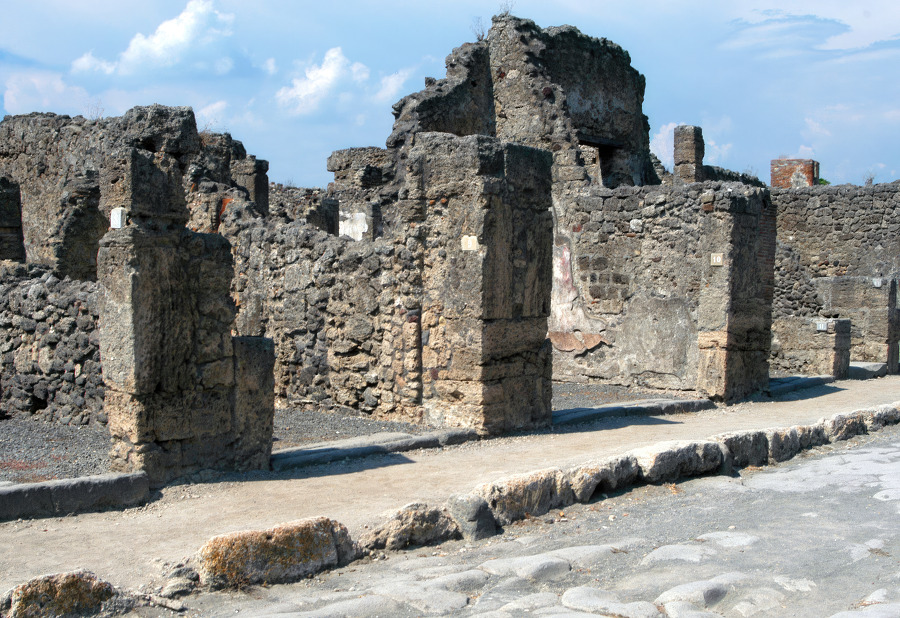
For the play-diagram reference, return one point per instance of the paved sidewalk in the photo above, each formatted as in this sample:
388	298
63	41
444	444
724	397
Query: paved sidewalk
129	548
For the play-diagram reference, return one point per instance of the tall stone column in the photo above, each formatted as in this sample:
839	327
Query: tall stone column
689	151
485	356
181	395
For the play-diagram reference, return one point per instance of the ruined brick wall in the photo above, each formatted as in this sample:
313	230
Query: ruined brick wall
842	229
639	300
326	302
50	362
840	257
794	173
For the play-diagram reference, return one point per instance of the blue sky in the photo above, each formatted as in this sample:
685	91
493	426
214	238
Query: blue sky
295	80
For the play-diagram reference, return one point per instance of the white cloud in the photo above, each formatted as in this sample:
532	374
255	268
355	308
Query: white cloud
42	91
715	154
306	94
269	66
212	115
88	63
359	72
862	23
662	144
391	85
197	28
816	128
805	152
223	65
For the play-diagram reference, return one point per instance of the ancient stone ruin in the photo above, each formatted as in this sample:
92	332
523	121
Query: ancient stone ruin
514	230
838	258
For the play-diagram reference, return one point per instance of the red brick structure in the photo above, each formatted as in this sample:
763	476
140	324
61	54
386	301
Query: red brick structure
794	173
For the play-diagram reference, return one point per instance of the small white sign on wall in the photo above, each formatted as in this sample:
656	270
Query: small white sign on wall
821	326
470	243
716	259
117	218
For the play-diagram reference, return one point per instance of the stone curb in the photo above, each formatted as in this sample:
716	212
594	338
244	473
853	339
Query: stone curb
533	494
78	495
798	383
327	452
644	407
867	371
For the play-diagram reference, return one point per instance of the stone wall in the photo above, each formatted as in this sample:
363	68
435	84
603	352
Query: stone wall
839	256
49	341
667	288
810	347
55	162
295	204
441	319
182	394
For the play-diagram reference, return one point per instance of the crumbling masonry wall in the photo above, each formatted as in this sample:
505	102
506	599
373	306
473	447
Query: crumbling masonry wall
839	257
182	394
666	288
49	346
443	321
52	216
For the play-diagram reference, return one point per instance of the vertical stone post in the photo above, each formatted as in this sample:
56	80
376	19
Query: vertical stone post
689	151
252	174
487	279
735	312
181	395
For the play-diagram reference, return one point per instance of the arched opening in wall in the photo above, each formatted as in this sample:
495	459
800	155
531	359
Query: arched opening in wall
12	242
605	159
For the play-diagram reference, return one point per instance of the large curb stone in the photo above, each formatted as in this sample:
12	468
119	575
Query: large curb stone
533	494
844	426
881	416
745	448
63	594
604	475
282	554
414	524
667	461
784	443
78	495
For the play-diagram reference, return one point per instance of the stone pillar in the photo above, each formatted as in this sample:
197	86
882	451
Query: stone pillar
252	174
689	151
485	356
794	173
12	242
181	395
735	311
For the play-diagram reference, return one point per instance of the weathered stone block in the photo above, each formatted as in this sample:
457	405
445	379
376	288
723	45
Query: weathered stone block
668	461
64	594
285	553
532	494
603	476
414	524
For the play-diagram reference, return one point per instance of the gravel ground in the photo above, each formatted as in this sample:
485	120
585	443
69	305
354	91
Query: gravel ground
32	450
